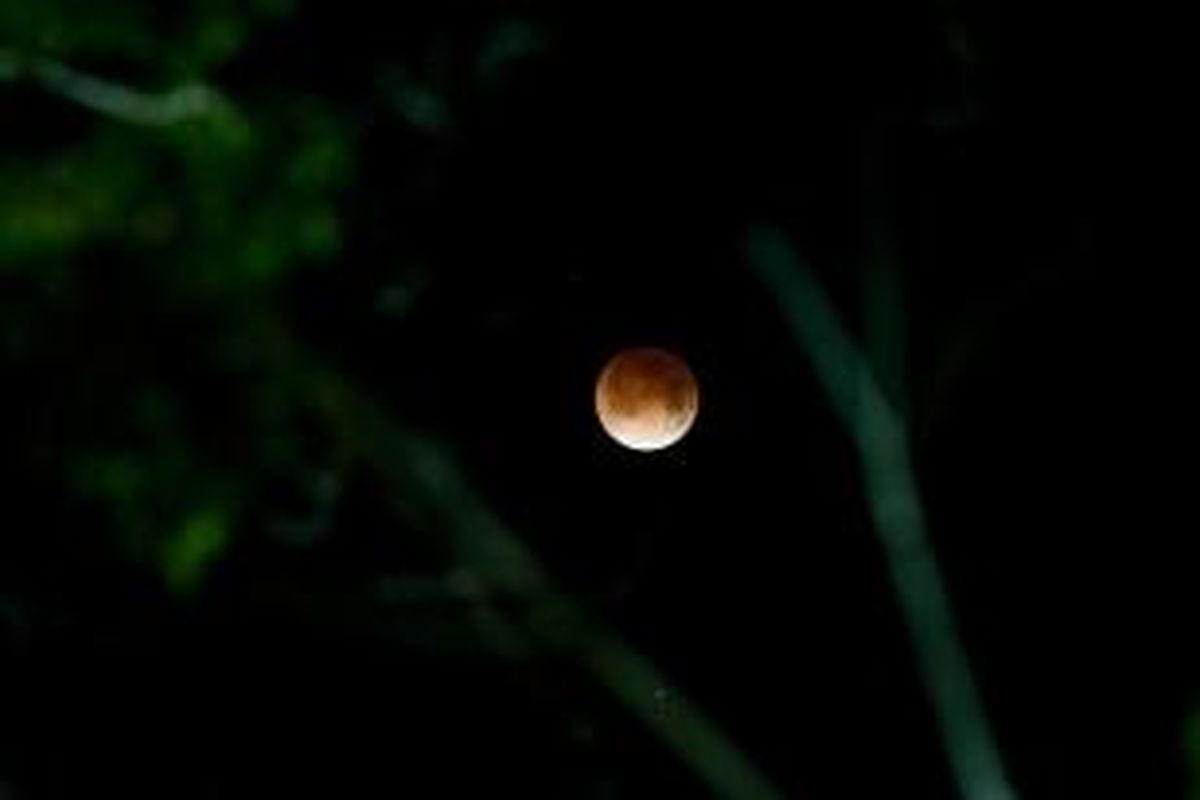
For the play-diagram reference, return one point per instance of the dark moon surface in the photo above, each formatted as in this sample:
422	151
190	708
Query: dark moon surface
646	398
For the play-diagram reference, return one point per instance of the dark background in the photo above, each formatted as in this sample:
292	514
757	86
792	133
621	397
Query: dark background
209	589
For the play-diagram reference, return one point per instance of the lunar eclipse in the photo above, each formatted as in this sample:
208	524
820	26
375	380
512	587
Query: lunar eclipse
646	398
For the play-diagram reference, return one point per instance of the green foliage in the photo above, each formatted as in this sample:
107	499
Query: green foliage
51	208
224	202
197	226
163	42
256	199
201	538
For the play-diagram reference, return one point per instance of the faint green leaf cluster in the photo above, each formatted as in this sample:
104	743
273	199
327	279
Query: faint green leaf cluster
221	202
168	503
75	29
432	96
199	540
254	200
174	493
195	229
512	41
54	206
164	42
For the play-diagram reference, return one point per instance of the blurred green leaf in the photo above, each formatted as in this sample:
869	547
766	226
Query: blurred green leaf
198	542
512	41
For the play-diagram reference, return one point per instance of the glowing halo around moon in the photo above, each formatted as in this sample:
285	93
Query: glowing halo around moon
646	398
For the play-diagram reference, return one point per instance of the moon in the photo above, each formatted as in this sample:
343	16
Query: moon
646	398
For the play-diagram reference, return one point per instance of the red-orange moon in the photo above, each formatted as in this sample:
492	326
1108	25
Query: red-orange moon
647	398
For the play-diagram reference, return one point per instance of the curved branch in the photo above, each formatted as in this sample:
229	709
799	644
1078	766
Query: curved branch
897	512
113	99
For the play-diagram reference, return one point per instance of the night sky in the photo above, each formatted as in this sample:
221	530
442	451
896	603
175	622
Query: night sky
490	265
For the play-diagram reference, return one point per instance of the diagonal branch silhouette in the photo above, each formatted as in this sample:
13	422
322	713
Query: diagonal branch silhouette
419	469
896	511
114	99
